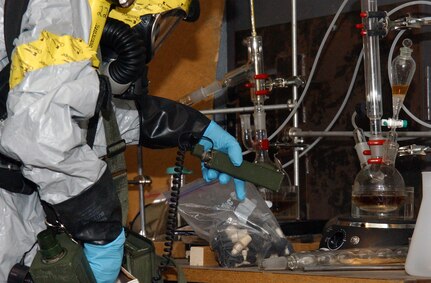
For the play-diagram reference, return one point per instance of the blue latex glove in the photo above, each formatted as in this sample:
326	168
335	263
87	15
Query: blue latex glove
105	260
226	143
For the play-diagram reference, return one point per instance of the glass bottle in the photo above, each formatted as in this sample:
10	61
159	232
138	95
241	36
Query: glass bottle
403	69
419	255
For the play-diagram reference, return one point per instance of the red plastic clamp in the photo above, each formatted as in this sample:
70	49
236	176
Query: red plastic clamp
262	92
264	144
261	76
377	160
375	142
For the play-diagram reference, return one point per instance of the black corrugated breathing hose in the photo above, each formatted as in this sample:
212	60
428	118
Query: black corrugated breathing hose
129	64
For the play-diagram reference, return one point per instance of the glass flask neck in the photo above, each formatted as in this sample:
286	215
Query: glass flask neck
262	156
261	147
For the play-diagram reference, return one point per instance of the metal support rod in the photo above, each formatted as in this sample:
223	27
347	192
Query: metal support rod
303	134
253	20
295	99
246	109
428	93
141	193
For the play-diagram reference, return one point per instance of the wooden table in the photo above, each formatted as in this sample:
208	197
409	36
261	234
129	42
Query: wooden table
216	274
251	275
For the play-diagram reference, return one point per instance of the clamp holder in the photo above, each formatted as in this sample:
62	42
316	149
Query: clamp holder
379	27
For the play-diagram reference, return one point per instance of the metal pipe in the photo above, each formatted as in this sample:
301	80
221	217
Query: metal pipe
428	94
295	99
353	267
246	109
321	134
253	21
350	134
141	193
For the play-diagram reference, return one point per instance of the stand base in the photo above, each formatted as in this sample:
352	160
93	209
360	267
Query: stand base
301	227
345	232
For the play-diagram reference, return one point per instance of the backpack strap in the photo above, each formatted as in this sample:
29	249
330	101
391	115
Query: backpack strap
115	158
4	90
13	10
115	145
11	178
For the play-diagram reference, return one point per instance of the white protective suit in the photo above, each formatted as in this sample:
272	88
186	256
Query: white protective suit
53	93
42	129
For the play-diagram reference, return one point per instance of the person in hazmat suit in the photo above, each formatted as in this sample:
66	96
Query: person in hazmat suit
55	67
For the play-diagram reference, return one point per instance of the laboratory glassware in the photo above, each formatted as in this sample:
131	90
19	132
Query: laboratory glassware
403	69
419	255
378	192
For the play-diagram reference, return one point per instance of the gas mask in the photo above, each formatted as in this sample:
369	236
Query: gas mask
154	20
156	28
132	35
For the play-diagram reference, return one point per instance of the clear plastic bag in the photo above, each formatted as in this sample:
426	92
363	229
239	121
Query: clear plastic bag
240	233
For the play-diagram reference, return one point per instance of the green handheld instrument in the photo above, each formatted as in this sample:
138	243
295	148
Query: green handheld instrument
255	173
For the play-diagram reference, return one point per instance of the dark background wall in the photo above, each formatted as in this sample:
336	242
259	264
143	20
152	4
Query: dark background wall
328	171
274	12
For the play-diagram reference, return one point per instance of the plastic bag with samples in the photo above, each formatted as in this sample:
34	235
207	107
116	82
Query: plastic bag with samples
240	233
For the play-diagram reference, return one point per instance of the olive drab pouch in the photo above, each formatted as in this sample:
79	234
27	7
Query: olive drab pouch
141	260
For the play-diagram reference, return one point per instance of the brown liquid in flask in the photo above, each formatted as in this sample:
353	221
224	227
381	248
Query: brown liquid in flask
398	94
380	202
399	90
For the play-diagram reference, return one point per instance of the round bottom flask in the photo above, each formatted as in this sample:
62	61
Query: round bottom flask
378	192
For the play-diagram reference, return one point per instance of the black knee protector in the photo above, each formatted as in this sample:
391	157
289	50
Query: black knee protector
93	216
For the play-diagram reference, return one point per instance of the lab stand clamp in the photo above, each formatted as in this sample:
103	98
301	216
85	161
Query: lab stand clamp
141	180
272	83
414	149
382	24
292	137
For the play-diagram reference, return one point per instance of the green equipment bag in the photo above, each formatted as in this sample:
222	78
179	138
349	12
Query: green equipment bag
140	258
141	261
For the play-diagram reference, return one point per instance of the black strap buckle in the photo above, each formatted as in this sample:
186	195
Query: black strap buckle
380	26
115	148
